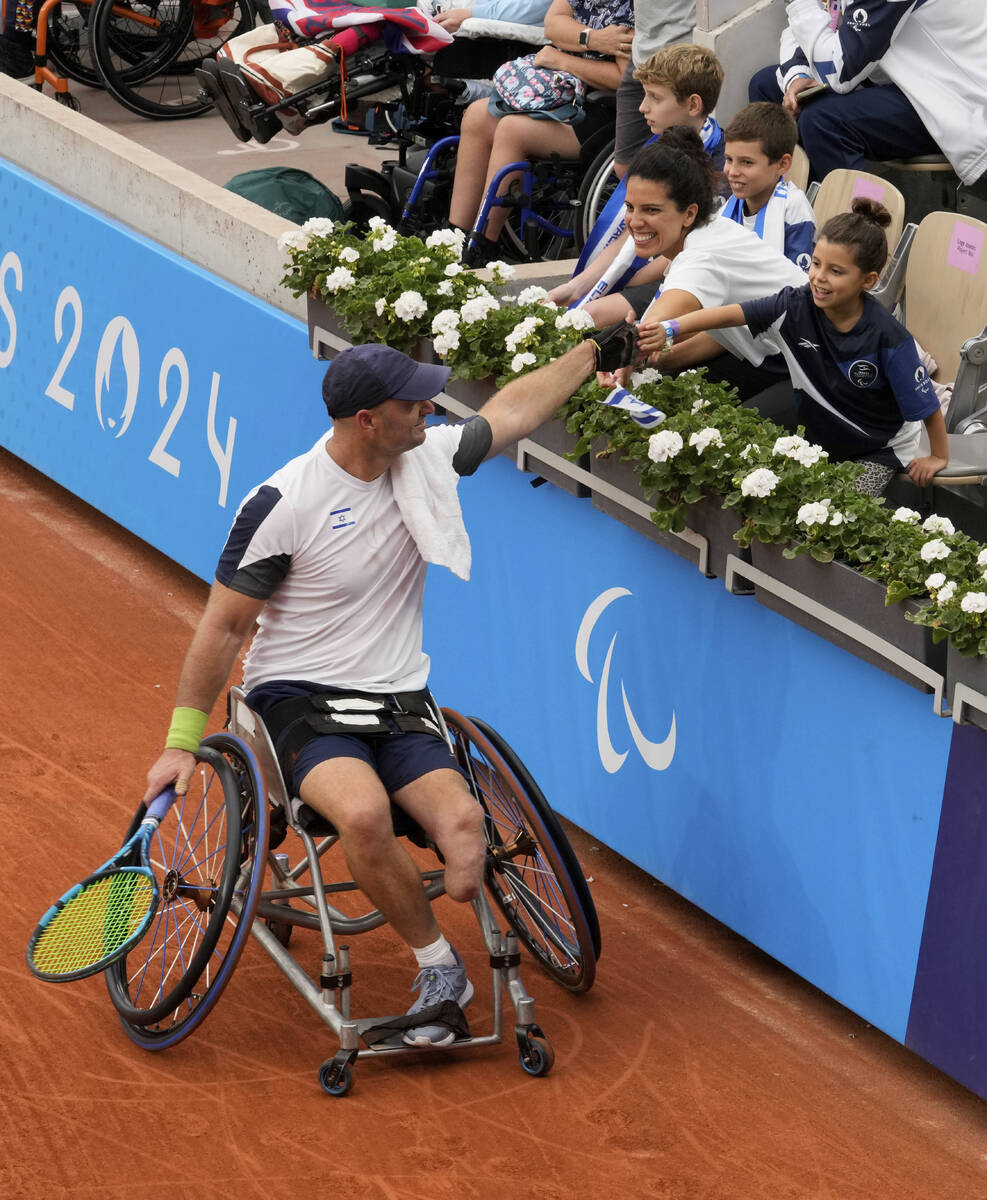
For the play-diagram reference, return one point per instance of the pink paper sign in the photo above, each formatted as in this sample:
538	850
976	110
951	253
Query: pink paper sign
866	188
965	245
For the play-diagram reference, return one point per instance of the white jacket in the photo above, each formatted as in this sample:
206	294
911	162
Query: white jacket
934	50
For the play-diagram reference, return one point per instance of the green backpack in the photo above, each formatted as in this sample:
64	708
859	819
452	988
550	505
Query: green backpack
289	192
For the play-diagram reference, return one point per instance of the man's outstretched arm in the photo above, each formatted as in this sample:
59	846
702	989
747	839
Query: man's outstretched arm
225	625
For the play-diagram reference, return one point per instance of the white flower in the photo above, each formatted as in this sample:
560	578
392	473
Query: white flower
935	581
453	238
648	375
699	404
379	224
664	445
453	269
974	602
318	227
936	524
477	309
501	271
982	558
945	594
934	549
575	318
446	342
808	456
349	254
785	445
444	288
340	278
380	305
520	361
447	321
532	295
410	305
521	332
294	239
984	575
385	243
812	514
705	438
836	518
761	482
749	449
908	515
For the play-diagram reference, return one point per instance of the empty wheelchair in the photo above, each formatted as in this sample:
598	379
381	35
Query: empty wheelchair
212	852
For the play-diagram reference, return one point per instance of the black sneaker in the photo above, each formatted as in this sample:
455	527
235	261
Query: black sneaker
16	58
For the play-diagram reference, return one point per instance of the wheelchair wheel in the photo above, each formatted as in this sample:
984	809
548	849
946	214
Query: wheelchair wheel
533	874
147	50
68	43
211	853
595	190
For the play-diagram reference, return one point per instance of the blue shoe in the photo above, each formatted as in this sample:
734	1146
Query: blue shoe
438	984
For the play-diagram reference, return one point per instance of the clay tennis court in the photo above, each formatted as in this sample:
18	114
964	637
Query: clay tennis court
696	1067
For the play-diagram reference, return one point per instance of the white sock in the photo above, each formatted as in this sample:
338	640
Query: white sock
438	954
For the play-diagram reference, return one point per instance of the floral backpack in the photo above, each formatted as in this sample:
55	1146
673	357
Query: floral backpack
521	87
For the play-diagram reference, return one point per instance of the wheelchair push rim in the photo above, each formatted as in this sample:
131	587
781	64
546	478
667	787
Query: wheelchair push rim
210	856
533	875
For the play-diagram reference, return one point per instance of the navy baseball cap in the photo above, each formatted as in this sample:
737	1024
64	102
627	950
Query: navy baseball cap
365	376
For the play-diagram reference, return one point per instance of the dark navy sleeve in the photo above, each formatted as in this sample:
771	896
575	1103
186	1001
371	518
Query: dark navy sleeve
909	380
762	314
256	556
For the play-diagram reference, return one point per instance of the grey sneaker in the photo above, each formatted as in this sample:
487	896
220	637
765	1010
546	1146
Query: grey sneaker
438	984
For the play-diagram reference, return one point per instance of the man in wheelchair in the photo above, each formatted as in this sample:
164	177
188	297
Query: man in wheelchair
328	557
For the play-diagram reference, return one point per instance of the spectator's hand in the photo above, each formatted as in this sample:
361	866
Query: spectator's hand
452	18
799	84
173	767
551	58
563	293
612	39
650	340
922	470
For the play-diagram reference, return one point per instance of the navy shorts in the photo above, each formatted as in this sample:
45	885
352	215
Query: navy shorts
397	758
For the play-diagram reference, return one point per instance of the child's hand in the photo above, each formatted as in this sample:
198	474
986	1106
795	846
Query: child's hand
922	470
650	339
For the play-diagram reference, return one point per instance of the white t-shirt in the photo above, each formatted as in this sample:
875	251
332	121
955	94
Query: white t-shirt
724	263
342	576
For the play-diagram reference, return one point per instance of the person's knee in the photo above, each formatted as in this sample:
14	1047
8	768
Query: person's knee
365	825
476	121
764	86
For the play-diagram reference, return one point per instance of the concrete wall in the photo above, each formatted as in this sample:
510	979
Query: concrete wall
213	228
745	38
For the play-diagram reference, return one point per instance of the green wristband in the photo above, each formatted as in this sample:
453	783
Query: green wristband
187	727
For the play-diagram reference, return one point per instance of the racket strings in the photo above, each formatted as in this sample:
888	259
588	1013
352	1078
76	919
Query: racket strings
95	923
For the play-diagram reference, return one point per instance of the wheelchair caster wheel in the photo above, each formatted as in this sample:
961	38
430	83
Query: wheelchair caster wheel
535	1052
335	1078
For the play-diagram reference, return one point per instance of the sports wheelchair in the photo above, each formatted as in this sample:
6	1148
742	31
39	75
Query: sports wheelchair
214	850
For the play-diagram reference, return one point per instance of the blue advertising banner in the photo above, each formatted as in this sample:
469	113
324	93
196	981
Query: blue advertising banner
156	392
794	792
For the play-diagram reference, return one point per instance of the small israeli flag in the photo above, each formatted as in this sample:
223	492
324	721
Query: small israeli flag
645	415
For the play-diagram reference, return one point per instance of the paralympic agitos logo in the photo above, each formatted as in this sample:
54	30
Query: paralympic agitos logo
657	755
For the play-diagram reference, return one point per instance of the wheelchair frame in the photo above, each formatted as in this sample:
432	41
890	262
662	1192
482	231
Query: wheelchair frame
182	972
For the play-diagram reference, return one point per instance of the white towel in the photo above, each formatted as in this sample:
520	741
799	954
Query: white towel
426	492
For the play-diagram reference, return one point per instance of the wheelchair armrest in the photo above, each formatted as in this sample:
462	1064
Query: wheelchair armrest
966	408
889	286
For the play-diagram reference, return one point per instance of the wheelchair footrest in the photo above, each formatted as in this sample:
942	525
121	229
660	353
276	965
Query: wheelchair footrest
387	1033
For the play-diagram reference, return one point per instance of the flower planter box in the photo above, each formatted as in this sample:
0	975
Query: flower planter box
707	518
851	597
971	672
323	321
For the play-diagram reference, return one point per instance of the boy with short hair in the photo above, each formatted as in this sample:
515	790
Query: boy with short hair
759	142
681	87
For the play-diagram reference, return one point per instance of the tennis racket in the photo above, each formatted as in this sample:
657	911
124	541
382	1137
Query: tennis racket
98	920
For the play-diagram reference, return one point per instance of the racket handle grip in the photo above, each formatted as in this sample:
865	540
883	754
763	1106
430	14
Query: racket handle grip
160	804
